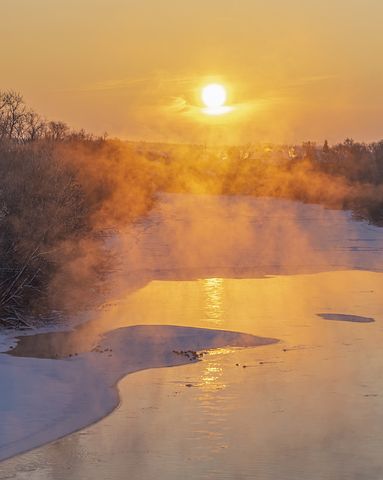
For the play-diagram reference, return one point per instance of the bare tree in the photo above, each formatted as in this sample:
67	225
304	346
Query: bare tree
57	131
35	126
12	115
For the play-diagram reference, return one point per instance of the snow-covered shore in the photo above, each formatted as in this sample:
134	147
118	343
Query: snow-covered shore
44	399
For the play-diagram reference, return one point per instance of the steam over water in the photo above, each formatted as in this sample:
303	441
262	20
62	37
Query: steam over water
190	236
308	407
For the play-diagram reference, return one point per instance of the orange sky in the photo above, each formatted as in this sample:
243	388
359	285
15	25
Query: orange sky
295	69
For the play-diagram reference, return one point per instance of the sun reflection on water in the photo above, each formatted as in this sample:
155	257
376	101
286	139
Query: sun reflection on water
212	373
213	300
212	401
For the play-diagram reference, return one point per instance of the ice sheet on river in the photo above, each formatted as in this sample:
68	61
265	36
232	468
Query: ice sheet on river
44	399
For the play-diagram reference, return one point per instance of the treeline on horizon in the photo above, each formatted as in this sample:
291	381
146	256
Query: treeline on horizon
347	175
63	192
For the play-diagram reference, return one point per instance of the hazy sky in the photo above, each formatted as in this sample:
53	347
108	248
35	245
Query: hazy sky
295	69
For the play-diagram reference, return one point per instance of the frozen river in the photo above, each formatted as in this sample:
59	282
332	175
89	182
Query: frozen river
307	407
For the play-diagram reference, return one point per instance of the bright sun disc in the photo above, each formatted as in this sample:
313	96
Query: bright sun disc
214	95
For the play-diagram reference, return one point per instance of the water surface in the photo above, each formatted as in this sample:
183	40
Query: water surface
309	407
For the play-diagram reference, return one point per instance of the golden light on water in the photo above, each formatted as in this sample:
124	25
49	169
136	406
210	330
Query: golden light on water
213	292
211	378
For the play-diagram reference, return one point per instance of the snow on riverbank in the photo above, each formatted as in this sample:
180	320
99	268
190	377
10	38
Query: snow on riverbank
44	399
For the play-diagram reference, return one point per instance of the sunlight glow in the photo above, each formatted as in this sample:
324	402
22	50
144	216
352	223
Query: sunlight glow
214	97
213	290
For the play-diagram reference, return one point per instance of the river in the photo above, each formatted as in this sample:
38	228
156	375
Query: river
308	407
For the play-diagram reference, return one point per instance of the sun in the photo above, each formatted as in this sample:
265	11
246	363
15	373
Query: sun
214	95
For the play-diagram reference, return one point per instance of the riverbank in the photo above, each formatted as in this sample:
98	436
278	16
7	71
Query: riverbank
81	389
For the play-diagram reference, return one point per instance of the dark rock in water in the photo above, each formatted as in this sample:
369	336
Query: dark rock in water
341	317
